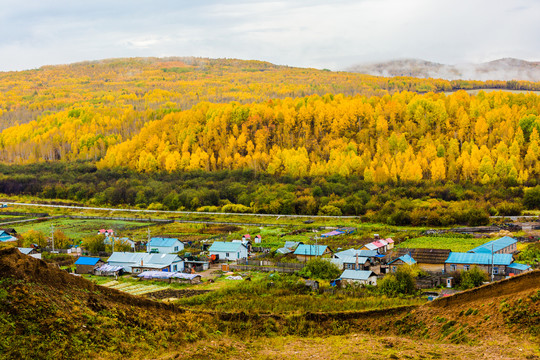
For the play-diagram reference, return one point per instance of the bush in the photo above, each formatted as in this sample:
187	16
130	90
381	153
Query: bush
473	278
531	198
235	208
320	269
402	282
330	210
509	209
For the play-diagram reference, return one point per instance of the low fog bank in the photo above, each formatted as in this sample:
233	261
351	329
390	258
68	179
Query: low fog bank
502	69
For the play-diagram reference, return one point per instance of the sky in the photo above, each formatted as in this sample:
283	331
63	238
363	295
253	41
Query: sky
319	34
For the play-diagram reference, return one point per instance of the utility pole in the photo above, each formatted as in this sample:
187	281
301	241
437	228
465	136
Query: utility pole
492	263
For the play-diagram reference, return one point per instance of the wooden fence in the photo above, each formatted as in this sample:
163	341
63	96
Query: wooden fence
266	266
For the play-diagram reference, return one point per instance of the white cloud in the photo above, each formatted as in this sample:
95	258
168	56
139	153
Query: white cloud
297	33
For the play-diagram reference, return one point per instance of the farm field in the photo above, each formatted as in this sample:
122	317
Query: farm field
439	242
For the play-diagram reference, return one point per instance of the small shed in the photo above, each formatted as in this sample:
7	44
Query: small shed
109	270
313	284
30	252
307	252
364	277
516	268
400	261
87	265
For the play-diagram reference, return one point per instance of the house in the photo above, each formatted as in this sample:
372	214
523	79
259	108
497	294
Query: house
307	252
371	246
30	252
106	233
371	254
356	263
138	262
364	277
504	245
125	259
163	245
5	236
284	251
246	242
246	237
487	262
108	270
258	239
230	251
400	261
289	247
159	262
390	243
10	231
516	269
87	265
427	259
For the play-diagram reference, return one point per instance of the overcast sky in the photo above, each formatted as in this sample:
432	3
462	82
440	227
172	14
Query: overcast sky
320	34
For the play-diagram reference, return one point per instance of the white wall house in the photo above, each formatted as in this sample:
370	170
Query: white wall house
229	250
164	245
138	262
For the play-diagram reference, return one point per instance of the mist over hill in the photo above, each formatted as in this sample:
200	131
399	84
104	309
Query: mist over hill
502	69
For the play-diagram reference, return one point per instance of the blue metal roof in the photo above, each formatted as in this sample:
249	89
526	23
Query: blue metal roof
479	259
25	251
357	274
84	260
164	242
495	245
314	250
407	259
222	246
517	266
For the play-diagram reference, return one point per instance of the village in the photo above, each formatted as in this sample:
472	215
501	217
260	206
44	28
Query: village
164	259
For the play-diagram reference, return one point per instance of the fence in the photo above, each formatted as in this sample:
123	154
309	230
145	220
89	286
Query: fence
266	266
263	268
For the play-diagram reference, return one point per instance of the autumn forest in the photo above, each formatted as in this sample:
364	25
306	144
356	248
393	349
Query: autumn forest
248	136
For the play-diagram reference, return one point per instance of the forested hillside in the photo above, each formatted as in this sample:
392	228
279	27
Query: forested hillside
403	137
248	136
77	111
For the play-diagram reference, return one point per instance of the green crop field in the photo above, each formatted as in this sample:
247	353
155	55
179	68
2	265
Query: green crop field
436	242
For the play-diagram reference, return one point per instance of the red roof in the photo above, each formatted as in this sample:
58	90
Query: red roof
378	244
247	236
390	241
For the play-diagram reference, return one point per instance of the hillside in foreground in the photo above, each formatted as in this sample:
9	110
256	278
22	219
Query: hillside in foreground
506	69
47	313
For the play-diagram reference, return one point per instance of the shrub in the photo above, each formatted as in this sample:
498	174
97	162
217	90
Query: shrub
531	198
473	278
402	282
330	210
235	208
320	269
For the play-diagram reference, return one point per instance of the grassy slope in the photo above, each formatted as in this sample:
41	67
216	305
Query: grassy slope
37	300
